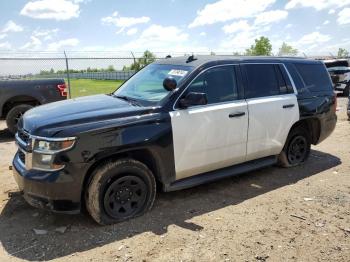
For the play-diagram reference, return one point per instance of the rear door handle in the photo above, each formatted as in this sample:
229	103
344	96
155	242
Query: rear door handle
288	106
238	114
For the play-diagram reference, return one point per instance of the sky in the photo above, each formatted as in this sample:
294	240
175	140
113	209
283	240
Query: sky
315	27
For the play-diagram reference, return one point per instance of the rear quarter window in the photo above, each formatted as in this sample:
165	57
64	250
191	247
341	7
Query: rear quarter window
315	78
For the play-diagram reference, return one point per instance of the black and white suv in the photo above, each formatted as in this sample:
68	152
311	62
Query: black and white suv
179	122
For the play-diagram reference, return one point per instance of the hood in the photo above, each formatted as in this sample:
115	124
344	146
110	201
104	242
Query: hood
49	119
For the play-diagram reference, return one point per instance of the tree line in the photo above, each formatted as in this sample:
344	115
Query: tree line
110	68
262	46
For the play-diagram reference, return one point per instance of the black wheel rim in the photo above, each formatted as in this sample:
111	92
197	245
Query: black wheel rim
125	197
297	150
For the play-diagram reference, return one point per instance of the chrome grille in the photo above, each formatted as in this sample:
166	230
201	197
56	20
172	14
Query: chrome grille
24	136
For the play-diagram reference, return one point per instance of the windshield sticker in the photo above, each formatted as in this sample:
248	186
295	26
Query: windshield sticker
177	72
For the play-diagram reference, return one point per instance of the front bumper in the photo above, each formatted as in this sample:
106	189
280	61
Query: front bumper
58	191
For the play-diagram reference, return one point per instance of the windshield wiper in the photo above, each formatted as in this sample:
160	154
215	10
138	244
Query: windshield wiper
128	99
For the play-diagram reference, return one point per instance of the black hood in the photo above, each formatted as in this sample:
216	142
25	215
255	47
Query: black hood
49	119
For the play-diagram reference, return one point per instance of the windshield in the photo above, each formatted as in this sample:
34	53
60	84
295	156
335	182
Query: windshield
147	84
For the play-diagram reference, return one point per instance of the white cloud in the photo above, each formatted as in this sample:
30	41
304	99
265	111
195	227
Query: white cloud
225	10
344	16
56	46
331	11
340	43
51	9
270	17
132	31
46	34
241	35
159	36
123	22
317	4
289	26
2	36
313	38
241	25
5	46
34	44
11	26
239	42
163	39
326	22
203	34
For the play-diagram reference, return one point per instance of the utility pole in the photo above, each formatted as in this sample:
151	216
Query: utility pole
68	78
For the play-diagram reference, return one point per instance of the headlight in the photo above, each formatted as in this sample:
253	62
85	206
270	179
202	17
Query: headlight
45	150
52	147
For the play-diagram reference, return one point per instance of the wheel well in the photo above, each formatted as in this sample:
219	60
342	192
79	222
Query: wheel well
142	155
18	100
312	125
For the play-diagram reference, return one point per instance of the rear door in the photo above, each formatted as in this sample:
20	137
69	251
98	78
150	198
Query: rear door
272	106
211	136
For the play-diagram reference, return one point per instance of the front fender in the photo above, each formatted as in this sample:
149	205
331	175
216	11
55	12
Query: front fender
152	133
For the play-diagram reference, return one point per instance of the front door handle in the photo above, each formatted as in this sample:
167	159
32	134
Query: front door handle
238	114
288	106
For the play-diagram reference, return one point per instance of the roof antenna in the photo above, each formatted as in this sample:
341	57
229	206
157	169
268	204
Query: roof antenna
191	58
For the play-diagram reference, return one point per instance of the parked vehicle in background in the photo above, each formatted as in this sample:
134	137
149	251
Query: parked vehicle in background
341	79
339	71
18	96
178	123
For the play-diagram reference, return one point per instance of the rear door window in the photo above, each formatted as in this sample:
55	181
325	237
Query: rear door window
262	80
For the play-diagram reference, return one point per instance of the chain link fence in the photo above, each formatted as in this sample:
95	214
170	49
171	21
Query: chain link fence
85	73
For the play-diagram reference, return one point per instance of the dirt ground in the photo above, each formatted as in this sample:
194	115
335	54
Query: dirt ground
275	214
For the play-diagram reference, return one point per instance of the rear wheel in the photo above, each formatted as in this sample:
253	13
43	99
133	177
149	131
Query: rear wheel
297	148
14	115
120	190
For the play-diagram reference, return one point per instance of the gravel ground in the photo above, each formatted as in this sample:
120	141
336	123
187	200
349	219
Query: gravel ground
275	214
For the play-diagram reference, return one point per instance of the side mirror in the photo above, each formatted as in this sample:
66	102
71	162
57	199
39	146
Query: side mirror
169	83
193	99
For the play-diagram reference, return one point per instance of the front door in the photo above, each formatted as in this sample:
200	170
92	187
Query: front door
212	136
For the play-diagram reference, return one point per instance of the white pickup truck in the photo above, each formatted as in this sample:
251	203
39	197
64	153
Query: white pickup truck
339	71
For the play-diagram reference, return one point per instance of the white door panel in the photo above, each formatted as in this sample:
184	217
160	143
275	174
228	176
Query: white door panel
269	124
205	138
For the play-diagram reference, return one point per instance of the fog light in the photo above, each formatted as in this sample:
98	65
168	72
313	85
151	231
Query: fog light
42	161
46	159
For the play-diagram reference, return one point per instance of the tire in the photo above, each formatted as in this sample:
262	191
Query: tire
297	148
14	115
120	190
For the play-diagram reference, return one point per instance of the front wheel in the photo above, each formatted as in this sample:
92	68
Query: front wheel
297	148
119	191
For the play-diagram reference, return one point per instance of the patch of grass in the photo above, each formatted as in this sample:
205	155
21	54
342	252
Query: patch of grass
86	87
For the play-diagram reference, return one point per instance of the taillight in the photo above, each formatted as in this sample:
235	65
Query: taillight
62	88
